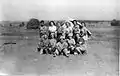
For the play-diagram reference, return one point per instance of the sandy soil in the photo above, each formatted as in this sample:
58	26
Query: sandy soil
20	59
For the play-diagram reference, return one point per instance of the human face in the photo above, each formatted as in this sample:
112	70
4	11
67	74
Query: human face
52	35
42	23
45	37
70	37
74	22
67	24
58	24
52	23
83	24
77	35
62	40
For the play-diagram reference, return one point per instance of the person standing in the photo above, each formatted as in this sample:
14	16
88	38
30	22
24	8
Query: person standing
43	29
59	30
52	29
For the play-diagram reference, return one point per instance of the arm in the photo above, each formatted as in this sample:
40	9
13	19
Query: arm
74	42
88	31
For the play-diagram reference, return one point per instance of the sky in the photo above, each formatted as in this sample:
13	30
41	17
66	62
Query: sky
59	9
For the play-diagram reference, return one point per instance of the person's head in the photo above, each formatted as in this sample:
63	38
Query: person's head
42	22
51	23
81	33
52	35
83	24
80	25
70	36
81	40
77	35
62	39
45	36
74	22
67	24
58	24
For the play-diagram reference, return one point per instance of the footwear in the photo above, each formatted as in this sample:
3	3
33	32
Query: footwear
75	53
67	55
54	55
85	52
41	51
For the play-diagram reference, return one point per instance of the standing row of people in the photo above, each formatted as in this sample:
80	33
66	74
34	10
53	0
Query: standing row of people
67	38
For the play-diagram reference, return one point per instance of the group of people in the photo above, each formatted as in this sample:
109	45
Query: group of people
63	39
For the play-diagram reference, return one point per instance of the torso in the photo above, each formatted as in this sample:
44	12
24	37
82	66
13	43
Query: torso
71	41
62	45
53	42
52	28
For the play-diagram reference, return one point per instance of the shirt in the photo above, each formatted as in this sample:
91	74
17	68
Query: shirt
86	33
80	41
52	28
71	41
43	29
61	46
76	29
60	29
52	42
46	43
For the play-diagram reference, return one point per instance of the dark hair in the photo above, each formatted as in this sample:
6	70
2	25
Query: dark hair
74	20
51	22
41	21
83	23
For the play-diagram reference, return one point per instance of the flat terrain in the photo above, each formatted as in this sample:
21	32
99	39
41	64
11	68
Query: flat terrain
20	59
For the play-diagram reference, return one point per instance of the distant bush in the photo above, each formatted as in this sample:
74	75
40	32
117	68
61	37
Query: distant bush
33	23
91	25
115	22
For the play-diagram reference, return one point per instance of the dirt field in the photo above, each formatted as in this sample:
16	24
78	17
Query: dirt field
20	59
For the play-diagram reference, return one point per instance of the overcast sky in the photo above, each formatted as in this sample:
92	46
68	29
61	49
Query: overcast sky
58	9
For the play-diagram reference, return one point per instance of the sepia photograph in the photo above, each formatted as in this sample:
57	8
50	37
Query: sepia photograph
59	37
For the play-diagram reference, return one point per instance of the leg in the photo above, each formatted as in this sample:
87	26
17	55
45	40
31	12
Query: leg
83	49
65	52
46	51
41	51
38	49
50	50
56	52
78	50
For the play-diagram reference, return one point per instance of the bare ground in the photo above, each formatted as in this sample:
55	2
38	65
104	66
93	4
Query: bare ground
20	59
